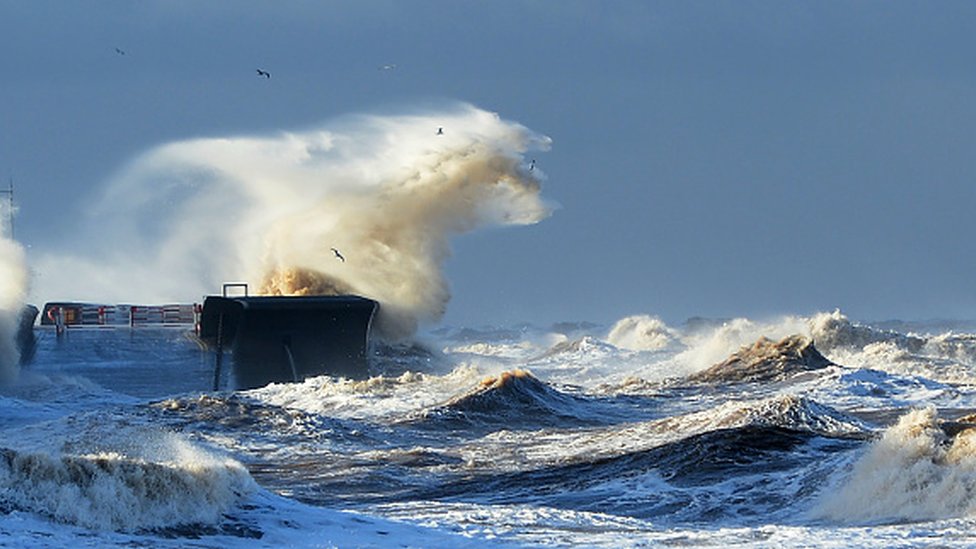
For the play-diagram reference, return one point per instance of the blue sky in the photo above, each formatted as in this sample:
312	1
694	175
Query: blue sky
710	158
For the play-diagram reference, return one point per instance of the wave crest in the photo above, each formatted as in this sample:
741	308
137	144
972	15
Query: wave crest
641	333
110	491
766	360
916	471
515	399
834	330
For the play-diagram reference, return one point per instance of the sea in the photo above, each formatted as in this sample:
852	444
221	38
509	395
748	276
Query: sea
797	431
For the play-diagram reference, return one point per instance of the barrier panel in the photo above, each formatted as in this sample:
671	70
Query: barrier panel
73	314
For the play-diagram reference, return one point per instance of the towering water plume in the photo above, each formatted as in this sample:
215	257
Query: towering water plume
13	296
365	204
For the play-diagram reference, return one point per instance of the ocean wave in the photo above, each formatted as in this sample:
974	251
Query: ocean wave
892	389
766	360
251	421
111	491
834	330
377	398
694	462
946	357
942	359
790	412
922	468
584	347
642	333
515	400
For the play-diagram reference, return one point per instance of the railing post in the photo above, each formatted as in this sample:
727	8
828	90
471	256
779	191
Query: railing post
220	351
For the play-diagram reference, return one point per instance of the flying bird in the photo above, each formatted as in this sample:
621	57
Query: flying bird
388	67
440	131
532	165
119	51
265	74
338	255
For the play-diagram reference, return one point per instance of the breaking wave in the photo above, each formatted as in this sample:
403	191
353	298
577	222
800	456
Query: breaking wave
641	333
787	411
364	204
681	467
835	331
766	360
112	491
514	399
916	471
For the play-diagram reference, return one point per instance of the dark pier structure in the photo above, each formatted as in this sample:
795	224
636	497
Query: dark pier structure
288	339
25	338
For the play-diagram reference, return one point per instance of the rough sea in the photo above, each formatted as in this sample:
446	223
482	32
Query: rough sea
799	431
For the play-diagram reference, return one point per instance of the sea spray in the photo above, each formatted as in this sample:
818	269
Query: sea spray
363	204
13	296
709	346
641	333
143	480
914	472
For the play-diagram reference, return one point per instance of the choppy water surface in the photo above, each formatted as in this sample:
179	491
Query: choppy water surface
800	431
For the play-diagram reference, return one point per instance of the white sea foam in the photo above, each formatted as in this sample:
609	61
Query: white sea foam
386	192
946	357
267	521
913	473
641	333
13	296
108	475
374	398
662	415
511	449
706	348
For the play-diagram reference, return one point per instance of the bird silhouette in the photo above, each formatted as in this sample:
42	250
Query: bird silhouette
265	74
532	165
337	254
119	51
440	131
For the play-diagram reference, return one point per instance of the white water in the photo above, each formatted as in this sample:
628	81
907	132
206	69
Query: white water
90	467
13	296
914	472
84	464
386	191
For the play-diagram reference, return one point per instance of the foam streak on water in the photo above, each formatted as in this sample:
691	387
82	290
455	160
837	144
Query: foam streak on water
800	432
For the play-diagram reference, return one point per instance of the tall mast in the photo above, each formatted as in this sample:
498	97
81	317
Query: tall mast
9	211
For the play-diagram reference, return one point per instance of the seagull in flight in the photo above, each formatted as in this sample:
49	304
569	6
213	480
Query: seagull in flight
265	74
338	255
389	67
119	51
532	165
440	131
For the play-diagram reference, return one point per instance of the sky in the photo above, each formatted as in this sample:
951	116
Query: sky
717	159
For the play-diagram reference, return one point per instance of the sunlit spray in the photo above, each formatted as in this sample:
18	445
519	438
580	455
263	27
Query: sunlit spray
364	204
914	472
13	293
641	333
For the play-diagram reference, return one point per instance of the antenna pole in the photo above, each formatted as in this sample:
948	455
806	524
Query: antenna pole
9	191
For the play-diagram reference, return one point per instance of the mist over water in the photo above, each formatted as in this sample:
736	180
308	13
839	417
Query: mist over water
14	281
617	435
792	430
386	193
